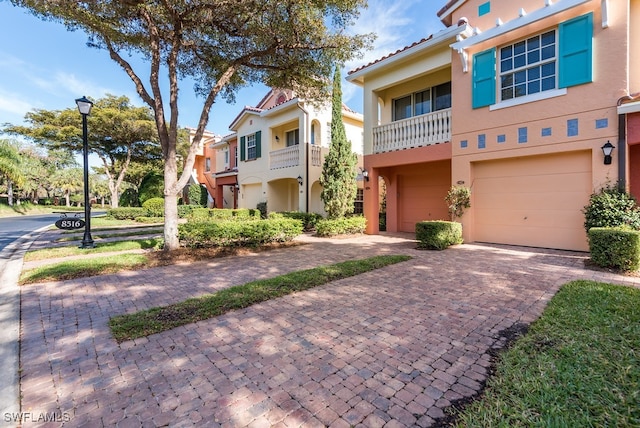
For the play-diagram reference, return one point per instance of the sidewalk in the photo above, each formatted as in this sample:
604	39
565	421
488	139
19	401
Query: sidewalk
393	347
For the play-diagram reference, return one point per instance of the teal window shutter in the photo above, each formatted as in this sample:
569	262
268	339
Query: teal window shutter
575	62
258	145
243	149
484	78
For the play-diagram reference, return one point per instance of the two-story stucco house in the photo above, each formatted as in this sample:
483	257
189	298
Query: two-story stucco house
514	100
281	144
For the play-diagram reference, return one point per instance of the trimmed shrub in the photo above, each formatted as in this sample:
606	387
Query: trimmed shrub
200	213
126	213
262	207
309	220
341	226
184	211
154	207
611	207
197	234
438	235
197	195
617	247
152	186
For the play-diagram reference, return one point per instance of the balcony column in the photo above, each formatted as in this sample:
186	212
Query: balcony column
371	203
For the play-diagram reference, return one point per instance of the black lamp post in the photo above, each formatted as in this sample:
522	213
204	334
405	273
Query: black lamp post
84	107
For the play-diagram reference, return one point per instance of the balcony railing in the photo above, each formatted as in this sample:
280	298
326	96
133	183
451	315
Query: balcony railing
285	158
291	156
414	132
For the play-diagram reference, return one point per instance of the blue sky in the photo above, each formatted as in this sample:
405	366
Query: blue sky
42	65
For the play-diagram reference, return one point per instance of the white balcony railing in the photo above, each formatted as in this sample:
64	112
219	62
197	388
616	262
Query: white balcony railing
414	132
285	158
316	155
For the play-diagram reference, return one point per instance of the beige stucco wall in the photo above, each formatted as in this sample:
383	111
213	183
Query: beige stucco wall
277	185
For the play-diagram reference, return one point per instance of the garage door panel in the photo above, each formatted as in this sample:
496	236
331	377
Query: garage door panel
533	201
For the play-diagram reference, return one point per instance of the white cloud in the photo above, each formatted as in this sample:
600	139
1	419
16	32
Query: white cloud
13	107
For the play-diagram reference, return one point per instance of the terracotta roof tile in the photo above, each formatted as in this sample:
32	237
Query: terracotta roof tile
391	54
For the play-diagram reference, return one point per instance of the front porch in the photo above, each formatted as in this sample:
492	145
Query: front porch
293	156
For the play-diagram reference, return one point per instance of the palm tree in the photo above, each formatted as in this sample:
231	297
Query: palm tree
10	167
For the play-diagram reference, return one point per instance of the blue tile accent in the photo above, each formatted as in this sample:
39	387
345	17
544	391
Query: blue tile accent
463	144
484	8
602	123
482	141
522	135
572	127
546	132
502	138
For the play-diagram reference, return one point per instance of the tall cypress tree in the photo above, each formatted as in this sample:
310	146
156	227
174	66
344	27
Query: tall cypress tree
338	179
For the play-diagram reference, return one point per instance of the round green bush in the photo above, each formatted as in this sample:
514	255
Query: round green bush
611	207
154	207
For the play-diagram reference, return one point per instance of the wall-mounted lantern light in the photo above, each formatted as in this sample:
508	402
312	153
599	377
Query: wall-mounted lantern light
607	149
300	180
277	139
365	174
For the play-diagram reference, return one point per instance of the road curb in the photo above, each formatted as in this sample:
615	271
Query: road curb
11	259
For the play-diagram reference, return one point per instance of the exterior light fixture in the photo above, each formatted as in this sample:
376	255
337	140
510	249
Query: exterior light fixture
365	174
277	139
84	107
607	149
300	180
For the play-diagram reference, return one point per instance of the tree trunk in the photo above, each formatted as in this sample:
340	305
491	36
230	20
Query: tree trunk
114	197
10	193
171	241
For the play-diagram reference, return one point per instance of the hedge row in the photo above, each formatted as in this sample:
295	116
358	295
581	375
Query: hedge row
224	214
341	226
309	220
208	233
615	247
438	235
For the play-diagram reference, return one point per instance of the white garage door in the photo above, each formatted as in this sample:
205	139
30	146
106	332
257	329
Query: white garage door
533	201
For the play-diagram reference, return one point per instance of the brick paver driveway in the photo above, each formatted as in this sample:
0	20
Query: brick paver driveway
390	348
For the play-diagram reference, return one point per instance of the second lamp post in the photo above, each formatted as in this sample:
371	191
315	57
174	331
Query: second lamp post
84	107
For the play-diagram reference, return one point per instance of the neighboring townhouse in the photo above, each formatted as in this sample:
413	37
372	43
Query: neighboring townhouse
514	100
226	172
205	163
281	144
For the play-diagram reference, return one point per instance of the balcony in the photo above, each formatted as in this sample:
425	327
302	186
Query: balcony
416	131
291	156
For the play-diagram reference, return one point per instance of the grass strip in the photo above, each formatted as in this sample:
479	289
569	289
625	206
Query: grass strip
102	247
578	365
81	268
156	320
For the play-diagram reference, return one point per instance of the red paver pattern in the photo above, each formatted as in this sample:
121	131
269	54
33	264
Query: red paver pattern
389	348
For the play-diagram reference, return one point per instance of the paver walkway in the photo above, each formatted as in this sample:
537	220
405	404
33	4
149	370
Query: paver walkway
392	347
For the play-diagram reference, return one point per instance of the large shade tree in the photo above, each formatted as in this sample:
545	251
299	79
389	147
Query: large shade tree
120	134
220	44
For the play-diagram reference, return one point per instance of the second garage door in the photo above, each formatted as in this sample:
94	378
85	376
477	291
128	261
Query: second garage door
533	201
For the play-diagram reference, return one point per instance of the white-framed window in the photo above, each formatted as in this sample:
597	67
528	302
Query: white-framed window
207	164
529	66
235	156
422	102
226	158
293	137
358	203
251	147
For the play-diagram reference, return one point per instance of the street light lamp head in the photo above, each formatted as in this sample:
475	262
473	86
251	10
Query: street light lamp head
84	105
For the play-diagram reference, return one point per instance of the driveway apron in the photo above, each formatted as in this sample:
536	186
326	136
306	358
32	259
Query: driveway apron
392	347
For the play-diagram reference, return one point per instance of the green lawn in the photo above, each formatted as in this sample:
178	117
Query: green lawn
578	365
84	267
101	247
155	320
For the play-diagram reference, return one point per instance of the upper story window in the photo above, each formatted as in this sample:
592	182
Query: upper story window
293	137
250	146
422	102
207	164
528	67
226	158
542	66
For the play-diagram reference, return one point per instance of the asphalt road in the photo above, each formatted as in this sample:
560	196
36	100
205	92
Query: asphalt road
11	228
